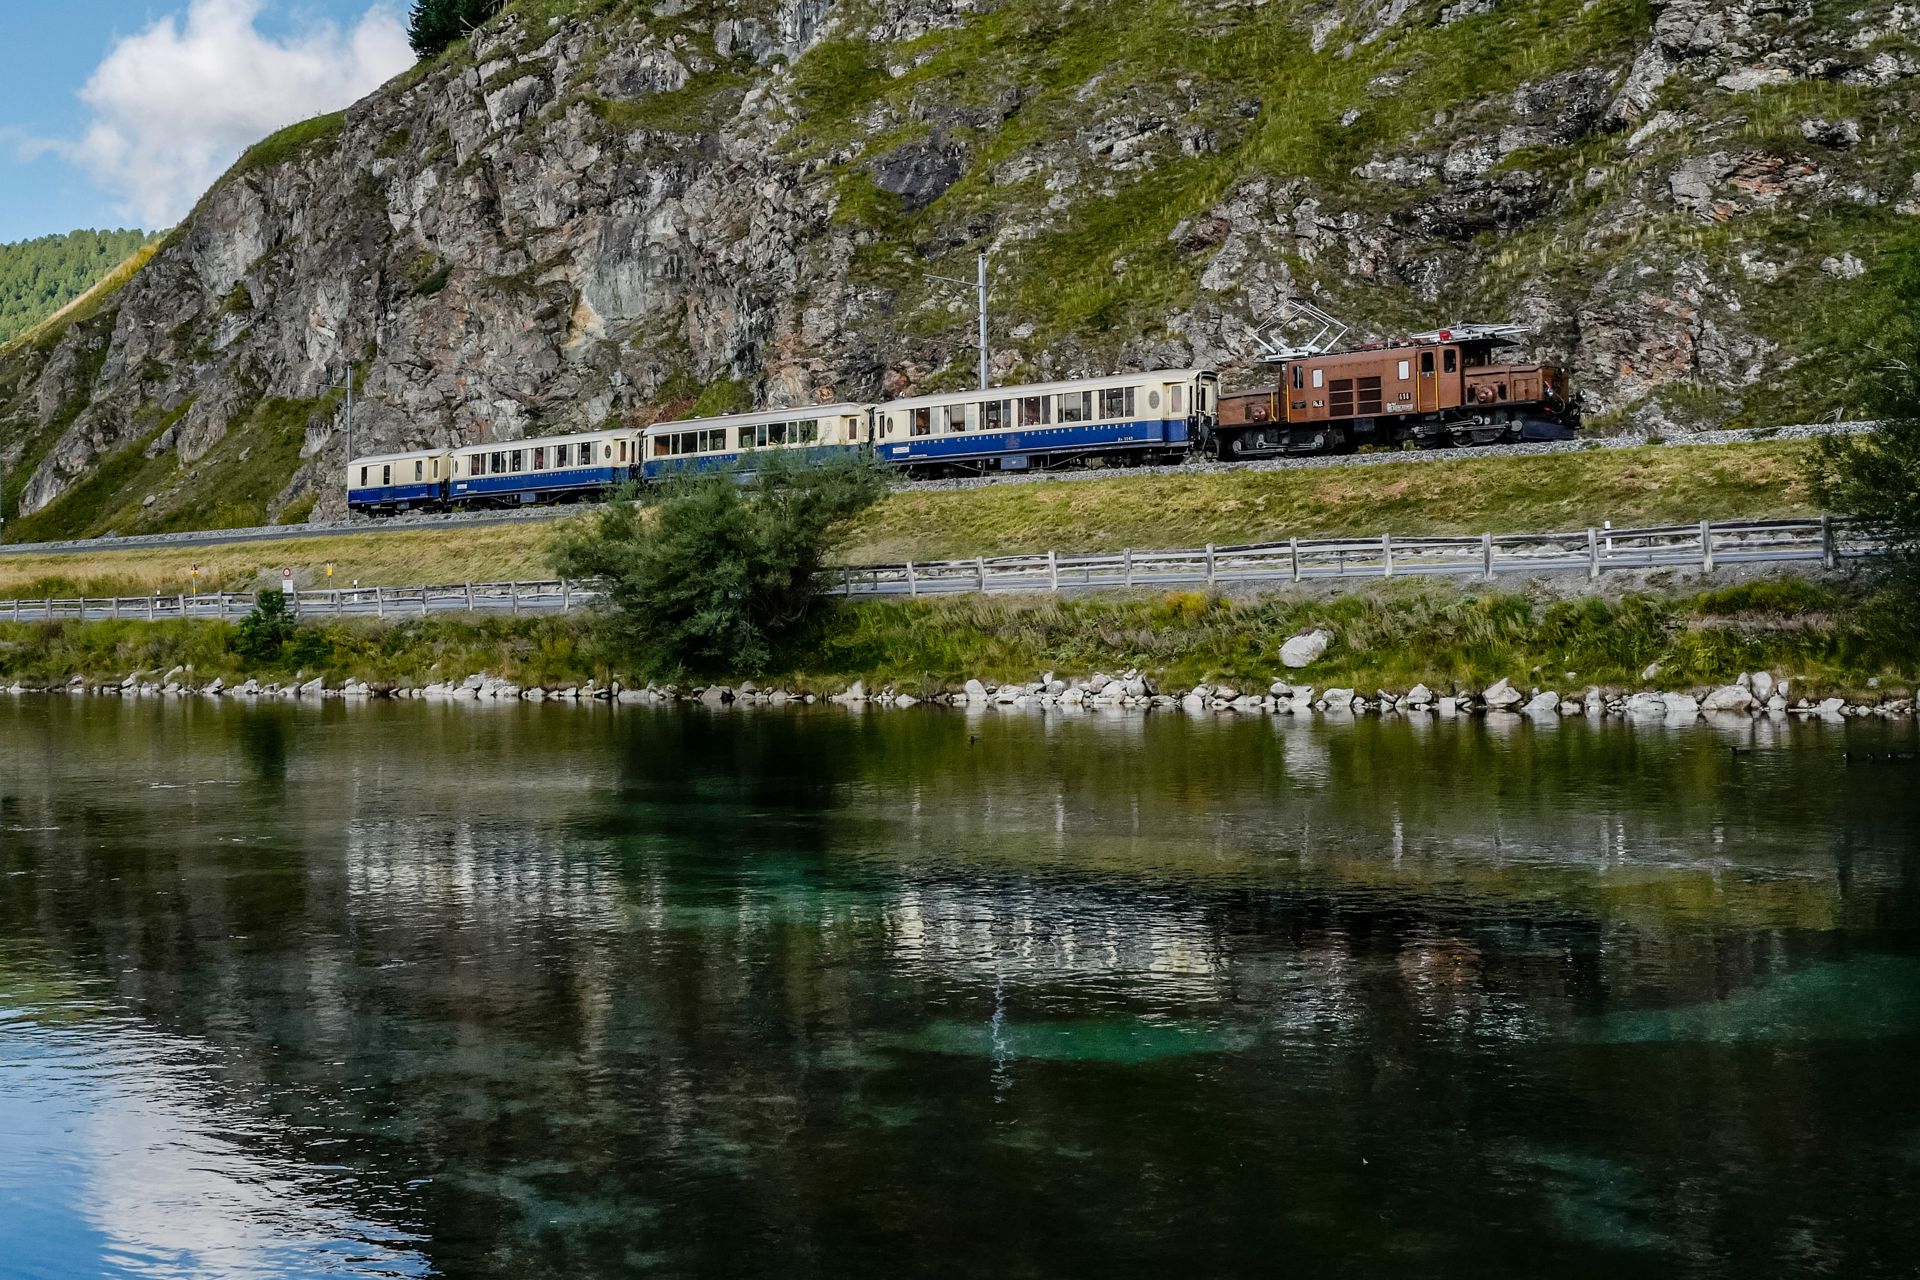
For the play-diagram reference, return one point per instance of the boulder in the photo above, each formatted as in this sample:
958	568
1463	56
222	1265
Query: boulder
1730	697
535	694
1762	685
1681	705
1830	706
1646	706
1225	693
1546	702
1571	708
1447	706
214	687
1501	696
1099	682
1193	704
1419	696
1280	689
1338	699
976	692
1776	703
1304	650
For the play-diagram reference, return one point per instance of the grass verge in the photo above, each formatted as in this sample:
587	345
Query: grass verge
1457	495
1390	636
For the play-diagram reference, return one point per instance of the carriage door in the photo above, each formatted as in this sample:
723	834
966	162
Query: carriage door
1426	393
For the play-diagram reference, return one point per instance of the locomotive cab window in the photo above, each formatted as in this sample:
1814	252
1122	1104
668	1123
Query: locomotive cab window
1450	362
1426	363
1405	370
1298	380
1319	378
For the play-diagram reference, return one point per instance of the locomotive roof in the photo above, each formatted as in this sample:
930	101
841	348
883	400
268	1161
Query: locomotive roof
1045	388
796	413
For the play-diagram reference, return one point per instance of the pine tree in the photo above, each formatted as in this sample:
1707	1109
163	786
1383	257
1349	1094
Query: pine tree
435	24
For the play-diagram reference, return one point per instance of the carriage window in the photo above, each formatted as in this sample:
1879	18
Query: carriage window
993	415
1116	402
540	458
922	422
810	431
519	459
562	454
1405	368
1177	395
660	446
747	438
363	476
1034	411
1319	377
499	464
420	469
1451	360
623	451
1076	406
386	474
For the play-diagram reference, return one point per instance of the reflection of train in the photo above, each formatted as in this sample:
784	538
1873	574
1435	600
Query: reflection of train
1440	388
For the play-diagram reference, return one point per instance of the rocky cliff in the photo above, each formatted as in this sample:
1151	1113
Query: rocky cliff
599	210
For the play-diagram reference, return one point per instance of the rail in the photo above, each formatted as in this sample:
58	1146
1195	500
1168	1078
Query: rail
1704	546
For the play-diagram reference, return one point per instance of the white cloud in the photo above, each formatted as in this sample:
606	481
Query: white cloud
173	106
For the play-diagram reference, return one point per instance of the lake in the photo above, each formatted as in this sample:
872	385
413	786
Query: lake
409	989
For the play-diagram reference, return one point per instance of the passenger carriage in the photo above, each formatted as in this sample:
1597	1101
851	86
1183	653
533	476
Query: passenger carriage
731	440
543	469
1136	417
384	482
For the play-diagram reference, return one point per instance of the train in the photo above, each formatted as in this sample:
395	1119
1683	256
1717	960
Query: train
1443	388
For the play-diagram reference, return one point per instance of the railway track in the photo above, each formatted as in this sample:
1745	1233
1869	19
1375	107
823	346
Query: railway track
1194	466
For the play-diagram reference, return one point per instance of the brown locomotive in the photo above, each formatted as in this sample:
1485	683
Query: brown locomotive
1437	388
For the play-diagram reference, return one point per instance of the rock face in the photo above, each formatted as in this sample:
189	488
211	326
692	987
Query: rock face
597	212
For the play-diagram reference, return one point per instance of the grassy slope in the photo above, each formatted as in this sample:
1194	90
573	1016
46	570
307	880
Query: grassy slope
1386	636
1463	494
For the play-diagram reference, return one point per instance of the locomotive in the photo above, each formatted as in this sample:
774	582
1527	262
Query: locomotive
1439	388
1442	387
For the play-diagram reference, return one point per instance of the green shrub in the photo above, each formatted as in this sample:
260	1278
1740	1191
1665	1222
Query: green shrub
711	573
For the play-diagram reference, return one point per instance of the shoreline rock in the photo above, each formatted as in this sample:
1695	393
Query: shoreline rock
1128	691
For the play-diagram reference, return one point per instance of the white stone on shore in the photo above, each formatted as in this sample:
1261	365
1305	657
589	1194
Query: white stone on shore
1731	697
1301	651
1762	685
1681	705
1500	696
1545	702
1338	700
1642	706
1419	696
1447	705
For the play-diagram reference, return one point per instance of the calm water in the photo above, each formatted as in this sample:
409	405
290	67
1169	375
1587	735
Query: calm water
404	990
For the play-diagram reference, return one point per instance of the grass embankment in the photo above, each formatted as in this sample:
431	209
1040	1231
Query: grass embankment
1462	495
1389	635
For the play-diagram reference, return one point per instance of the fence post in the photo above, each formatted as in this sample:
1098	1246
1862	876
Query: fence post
152	600
1209	564
469	597
1386	552
116	608
423	601
1486	557
1828	552
1593	553
846	581
913	583
1053	571
1129	566
339	605
513	598
1293	545
566	596
379	602
1706	546
980	563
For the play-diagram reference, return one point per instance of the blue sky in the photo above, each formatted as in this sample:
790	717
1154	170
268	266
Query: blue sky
119	112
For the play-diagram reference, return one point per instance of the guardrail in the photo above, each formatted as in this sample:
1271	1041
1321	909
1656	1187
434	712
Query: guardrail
1594	551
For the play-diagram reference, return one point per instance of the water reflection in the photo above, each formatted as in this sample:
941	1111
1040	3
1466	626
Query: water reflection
563	991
